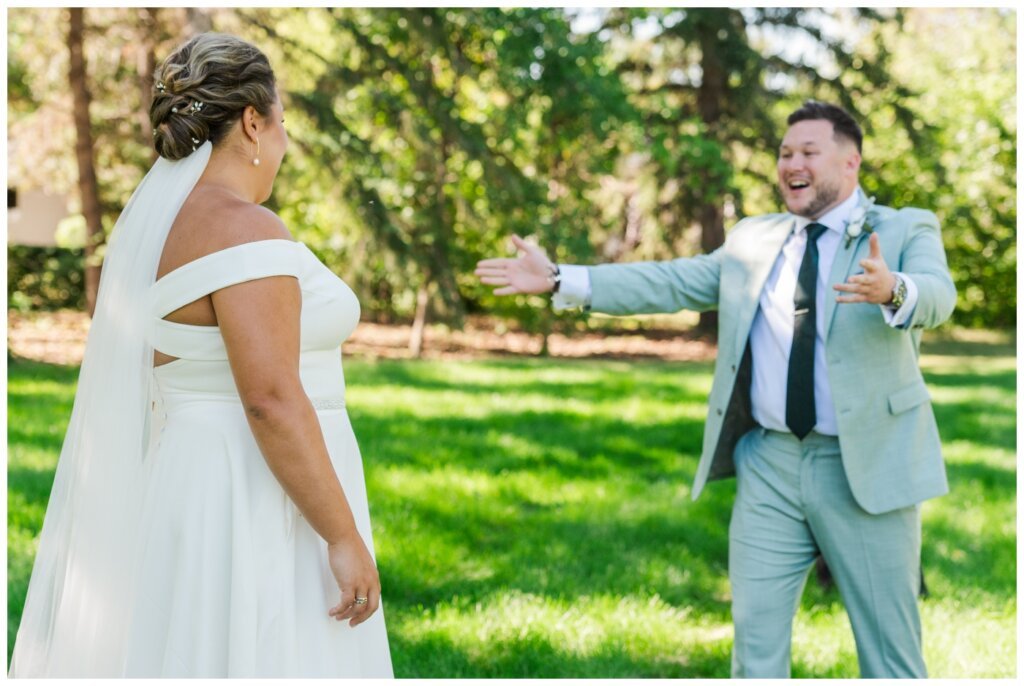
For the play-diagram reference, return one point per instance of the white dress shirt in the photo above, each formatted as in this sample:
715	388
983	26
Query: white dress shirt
771	335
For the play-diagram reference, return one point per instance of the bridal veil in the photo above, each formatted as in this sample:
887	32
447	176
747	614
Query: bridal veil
78	601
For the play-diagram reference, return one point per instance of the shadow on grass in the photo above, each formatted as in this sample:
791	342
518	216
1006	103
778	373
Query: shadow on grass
469	554
1003	345
986	430
573	446
535	657
560	504
997	481
954	550
37	436
550	393
993	379
45	370
952	555
33	485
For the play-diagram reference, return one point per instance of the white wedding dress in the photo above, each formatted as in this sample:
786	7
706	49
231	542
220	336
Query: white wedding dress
231	580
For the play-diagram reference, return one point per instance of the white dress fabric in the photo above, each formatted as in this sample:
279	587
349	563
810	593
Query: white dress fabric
232	580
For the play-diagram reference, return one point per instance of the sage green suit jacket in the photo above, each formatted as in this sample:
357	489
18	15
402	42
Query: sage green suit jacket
887	431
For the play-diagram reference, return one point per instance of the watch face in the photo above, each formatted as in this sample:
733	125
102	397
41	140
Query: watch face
899	294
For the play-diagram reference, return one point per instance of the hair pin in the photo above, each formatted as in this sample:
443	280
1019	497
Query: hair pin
195	108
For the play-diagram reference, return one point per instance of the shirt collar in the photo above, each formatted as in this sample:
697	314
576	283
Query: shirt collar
836	218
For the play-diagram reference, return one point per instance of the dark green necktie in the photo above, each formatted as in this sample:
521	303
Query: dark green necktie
800	414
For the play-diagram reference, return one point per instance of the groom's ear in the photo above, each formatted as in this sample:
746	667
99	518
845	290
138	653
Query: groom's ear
853	159
853	162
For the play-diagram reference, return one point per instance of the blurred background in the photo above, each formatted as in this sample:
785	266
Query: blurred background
422	138
528	473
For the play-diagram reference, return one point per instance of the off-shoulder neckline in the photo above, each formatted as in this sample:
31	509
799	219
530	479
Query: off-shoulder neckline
189	265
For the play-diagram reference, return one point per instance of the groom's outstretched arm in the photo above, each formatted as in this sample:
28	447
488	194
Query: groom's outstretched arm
637	288
686	283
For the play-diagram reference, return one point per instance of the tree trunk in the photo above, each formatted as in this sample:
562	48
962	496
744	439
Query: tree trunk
419	323
545	333
88	188
441	248
710	98
147	67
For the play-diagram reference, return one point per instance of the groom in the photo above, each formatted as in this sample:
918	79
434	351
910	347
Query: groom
818	405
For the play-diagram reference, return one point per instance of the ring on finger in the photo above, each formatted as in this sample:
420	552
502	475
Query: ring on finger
361	601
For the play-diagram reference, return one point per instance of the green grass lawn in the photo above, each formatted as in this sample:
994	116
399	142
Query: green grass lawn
533	517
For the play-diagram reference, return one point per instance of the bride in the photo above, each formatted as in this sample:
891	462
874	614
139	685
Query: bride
208	516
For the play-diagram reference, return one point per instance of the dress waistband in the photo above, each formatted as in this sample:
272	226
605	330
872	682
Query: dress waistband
196	381
328	403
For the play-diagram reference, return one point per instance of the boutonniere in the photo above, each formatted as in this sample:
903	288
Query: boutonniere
855	225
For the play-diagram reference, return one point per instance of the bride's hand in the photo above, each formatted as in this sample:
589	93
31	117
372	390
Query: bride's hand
357	577
529	273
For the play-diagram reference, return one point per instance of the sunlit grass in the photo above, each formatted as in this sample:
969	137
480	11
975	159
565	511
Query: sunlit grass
533	517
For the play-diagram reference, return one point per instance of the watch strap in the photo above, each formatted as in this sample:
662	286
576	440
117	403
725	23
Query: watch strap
899	293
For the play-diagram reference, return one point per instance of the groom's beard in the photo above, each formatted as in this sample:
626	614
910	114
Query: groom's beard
824	197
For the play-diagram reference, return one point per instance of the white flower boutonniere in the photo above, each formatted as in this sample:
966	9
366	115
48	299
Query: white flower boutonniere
855	225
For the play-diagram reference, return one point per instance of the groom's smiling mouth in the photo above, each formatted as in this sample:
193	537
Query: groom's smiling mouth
795	188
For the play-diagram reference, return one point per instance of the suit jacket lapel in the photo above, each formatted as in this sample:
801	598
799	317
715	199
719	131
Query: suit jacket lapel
761	258
841	268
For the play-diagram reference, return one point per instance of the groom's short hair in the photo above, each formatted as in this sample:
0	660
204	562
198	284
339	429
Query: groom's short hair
843	125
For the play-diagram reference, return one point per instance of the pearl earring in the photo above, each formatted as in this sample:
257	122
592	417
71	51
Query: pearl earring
256	158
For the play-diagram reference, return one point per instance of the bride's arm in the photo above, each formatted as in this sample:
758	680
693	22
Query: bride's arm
259	321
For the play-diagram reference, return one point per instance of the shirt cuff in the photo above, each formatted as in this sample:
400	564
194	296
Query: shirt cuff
899	318
574	288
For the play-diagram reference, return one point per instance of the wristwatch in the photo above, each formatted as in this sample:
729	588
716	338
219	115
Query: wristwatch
899	293
555	278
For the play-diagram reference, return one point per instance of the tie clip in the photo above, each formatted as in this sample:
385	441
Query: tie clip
801	311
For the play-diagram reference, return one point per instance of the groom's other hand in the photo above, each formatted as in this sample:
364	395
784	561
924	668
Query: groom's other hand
530	272
874	285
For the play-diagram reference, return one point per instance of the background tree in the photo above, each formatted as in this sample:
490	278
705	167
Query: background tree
957	153
712	86
424	137
78	124
446	131
87	187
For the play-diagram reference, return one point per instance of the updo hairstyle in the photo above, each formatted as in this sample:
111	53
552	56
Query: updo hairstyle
201	89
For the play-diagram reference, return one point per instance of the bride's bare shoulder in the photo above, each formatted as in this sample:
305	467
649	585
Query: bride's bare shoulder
212	220
224	221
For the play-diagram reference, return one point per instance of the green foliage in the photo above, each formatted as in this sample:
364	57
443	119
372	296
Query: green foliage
423	137
532	518
958	154
436	133
40	110
40	278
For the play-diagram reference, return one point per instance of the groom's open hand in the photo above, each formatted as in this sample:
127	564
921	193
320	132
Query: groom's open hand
874	284
531	272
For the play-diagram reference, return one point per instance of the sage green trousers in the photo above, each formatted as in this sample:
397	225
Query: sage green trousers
793	502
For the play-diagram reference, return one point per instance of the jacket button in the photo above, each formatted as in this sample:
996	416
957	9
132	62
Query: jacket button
719	411
734	368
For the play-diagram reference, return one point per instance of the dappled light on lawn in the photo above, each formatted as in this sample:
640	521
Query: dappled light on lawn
533	517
